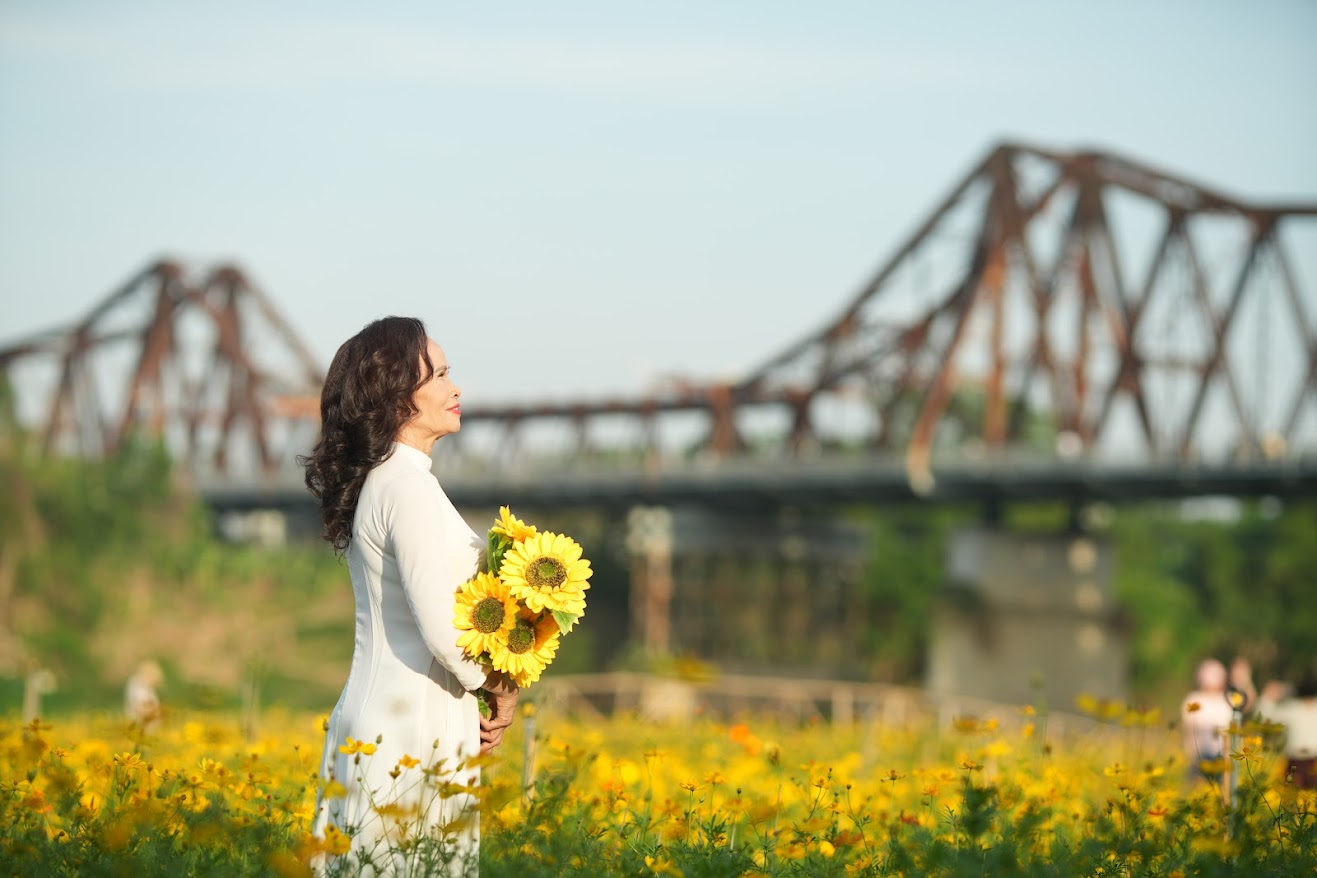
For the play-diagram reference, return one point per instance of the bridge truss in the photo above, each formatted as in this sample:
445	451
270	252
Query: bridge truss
206	362
1076	305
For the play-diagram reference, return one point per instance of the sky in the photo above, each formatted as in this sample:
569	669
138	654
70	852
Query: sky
589	198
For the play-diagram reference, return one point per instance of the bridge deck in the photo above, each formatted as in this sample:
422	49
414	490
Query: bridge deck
733	484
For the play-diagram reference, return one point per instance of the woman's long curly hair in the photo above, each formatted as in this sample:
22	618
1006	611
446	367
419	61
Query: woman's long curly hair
366	400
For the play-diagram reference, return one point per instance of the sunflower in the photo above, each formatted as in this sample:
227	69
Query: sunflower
547	573
486	612
512	527
528	649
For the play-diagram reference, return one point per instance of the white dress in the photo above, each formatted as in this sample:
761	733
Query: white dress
409	690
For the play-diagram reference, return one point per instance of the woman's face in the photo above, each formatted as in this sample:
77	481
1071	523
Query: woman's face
438	409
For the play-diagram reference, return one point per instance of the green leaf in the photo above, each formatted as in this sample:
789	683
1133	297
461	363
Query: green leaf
565	620
498	547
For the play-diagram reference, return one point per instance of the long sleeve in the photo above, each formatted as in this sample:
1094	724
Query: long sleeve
429	554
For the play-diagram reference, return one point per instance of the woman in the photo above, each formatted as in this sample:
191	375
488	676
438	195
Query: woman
396	744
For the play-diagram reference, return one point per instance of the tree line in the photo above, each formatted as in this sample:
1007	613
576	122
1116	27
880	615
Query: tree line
106	563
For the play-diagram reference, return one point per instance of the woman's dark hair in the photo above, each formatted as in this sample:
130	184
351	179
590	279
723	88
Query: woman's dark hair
366	399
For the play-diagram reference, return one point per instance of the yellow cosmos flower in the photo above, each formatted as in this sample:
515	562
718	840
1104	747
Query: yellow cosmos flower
512	527
547	573
529	648
486	612
354	746
336	842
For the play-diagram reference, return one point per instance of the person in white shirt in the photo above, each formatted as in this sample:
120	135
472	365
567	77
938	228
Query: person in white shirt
399	742
1298	714
1204	716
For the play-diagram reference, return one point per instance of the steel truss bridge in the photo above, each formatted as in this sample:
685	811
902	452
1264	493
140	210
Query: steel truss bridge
1061	325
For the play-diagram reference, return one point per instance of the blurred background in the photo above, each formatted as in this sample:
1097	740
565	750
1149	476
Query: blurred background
968	350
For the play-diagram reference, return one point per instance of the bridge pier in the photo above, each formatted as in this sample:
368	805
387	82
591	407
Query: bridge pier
1028	617
649	543
747	590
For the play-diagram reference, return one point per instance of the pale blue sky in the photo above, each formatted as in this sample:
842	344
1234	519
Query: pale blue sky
633	190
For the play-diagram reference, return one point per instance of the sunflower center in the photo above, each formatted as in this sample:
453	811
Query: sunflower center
487	617
521	638
546	572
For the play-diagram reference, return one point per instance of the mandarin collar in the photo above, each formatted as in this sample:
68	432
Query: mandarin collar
414	456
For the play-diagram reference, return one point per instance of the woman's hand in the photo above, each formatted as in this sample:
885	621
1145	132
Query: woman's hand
500	693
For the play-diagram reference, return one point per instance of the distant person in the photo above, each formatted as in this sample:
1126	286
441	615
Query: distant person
141	701
39	682
1297	712
407	721
1205	714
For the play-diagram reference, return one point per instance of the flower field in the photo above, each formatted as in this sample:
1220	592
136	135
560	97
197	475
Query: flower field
987	796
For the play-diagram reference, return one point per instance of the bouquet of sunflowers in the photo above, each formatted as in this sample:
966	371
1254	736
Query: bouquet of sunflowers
529	592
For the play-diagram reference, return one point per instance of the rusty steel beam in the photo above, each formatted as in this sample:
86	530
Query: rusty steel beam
940	389
157	343
161	391
1309	340
1215	364
1129	374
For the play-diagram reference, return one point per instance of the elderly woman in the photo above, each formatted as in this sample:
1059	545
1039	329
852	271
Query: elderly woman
398	743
